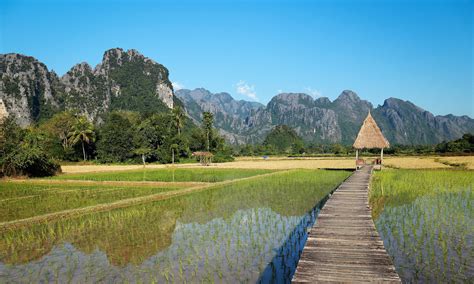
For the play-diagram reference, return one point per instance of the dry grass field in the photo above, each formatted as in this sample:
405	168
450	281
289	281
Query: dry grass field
465	161
280	163
414	163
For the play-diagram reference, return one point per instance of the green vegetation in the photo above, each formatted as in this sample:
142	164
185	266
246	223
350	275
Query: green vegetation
228	233
23	200
124	136
22	152
462	145
284	139
177	175
82	130
426	219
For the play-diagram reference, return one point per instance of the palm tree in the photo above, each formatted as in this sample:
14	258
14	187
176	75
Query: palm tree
207	122
178	118
82	130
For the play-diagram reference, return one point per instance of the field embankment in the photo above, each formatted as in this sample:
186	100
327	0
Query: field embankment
285	163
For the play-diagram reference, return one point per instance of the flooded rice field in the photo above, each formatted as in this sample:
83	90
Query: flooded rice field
247	231
427	223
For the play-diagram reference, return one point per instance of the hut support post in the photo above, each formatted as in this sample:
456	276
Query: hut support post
381	157
357	154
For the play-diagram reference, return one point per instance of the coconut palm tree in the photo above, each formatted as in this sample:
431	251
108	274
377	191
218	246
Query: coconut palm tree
179	118
207	124
82	130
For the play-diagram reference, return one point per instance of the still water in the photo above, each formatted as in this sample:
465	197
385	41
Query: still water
431	239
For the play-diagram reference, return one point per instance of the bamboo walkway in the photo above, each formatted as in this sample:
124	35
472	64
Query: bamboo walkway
343	245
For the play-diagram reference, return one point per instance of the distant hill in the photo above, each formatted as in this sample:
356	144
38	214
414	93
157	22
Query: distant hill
322	121
128	80
282	138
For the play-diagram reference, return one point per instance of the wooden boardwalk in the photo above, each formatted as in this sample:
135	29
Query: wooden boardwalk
343	245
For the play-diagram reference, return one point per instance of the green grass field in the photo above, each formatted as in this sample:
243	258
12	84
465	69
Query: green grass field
168	175
22	200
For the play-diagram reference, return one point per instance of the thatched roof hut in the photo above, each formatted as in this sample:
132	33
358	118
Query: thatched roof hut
370	136
205	158
203	154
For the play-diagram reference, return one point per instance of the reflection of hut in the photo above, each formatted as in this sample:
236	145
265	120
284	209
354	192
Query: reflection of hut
205	158
370	137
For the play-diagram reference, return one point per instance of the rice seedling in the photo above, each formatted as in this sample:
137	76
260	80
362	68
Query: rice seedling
426	220
167	175
53	198
239	226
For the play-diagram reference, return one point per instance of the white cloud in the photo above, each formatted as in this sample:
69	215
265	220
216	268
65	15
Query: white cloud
247	90
313	92
177	86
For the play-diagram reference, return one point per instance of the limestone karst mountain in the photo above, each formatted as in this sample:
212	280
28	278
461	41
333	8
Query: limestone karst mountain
128	80
322	121
123	80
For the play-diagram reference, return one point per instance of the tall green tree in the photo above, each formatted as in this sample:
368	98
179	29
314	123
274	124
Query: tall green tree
179	117
57	130
207	125
82	130
116	135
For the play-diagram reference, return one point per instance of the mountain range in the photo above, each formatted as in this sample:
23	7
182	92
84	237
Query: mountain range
127	80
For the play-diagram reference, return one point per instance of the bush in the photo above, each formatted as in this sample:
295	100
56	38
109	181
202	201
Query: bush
21	153
222	158
29	162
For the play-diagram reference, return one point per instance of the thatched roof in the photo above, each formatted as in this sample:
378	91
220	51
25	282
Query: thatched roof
370	135
203	154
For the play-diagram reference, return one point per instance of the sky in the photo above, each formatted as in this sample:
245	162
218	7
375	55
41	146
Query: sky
418	50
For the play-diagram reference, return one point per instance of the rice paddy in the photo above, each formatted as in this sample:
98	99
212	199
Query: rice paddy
219	224
426	219
168	175
23	200
239	231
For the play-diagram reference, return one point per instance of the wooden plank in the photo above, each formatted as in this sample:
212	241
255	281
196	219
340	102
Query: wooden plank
344	245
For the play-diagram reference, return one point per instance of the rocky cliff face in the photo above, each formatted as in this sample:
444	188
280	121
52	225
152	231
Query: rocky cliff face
322	121
130	81
229	114
123	80
26	87
405	123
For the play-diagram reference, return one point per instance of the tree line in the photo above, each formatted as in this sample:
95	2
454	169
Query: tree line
165	137
122	137
283	140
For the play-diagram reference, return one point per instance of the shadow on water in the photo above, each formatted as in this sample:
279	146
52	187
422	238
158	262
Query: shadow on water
284	263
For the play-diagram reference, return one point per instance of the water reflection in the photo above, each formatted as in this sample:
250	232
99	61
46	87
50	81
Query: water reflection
233	250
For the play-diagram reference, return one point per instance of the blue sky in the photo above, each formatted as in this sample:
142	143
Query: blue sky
420	51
